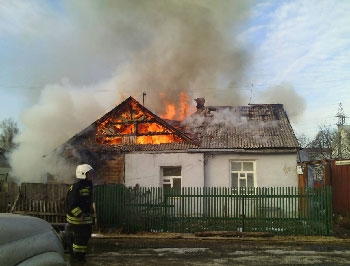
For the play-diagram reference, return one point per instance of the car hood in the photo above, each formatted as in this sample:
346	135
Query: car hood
14	227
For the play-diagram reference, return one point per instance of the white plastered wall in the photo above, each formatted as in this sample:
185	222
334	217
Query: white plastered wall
145	169
272	170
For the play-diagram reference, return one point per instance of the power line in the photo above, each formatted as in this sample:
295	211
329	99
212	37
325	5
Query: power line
21	86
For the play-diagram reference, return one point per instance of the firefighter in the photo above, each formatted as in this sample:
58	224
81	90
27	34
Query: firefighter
79	203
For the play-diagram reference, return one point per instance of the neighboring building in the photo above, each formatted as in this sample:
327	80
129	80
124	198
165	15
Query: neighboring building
315	163
341	143
314	154
245	146
313	166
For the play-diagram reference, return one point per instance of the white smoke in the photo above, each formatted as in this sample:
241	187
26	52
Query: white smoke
61	111
94	54
227	119
117	49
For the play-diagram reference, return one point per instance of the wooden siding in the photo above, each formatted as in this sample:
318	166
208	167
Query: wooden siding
3	202
336	173
49	192
9	191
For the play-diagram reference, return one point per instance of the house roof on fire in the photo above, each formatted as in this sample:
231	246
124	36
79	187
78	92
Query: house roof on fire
132	127
258	126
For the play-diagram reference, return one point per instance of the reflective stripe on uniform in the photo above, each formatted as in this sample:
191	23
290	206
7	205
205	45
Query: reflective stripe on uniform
77	220
76	211
79	248
84	192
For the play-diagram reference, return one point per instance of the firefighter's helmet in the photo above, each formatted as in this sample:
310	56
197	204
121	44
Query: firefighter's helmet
82	169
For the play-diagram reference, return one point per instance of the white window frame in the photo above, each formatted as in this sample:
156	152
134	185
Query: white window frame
242	174
169	180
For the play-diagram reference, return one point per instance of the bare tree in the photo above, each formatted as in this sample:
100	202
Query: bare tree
304	141
9	129
322	144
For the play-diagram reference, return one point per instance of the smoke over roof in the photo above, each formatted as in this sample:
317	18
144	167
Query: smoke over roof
101	52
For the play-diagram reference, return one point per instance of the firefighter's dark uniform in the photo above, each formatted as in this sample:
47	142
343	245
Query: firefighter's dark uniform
79	216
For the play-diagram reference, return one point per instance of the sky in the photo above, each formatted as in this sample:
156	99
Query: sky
66	63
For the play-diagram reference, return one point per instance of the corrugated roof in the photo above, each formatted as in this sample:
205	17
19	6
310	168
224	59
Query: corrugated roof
126	126
264	126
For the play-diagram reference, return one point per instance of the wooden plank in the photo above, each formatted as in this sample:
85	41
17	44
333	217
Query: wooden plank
3	201
42	200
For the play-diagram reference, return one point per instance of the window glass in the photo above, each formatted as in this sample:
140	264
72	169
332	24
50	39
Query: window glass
242	174
250	180
248	166
242	182
235	166
172	171
177	182
234	179
172	180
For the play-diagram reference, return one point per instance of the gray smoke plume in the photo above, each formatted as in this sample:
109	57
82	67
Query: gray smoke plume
90	55
191	50
285	94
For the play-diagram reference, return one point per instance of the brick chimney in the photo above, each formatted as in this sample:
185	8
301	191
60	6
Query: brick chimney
200	105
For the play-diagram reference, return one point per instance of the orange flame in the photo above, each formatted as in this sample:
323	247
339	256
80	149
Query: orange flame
179	110
133	125
184	106
170	111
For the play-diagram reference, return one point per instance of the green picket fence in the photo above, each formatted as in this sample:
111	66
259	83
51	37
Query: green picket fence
279	210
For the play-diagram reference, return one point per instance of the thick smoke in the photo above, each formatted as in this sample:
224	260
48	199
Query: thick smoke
60	113
87	56
105	51
284	94
191	50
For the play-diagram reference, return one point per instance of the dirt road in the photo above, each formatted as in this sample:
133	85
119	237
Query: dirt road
179	250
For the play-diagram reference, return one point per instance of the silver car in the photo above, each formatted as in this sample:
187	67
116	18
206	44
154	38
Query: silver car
26	240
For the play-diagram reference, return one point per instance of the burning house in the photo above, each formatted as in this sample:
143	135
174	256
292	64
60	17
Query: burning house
215	146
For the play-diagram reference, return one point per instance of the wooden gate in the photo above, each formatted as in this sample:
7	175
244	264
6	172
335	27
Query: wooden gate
341	187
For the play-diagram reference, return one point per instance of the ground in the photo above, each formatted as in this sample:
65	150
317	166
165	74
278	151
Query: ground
164	249
175	249
342	227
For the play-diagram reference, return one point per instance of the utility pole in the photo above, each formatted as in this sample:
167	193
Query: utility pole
341	122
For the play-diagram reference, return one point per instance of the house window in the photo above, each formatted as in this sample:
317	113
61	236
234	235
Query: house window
172	179
242	174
